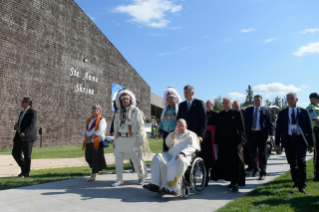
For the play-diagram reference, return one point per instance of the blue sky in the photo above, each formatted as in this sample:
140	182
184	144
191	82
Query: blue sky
218	46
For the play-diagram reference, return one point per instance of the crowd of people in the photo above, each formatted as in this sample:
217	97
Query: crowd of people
223	140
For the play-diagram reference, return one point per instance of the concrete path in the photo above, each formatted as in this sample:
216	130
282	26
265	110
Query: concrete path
80	195
9	167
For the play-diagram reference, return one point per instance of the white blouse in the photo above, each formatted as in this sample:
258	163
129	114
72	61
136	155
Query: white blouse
101	132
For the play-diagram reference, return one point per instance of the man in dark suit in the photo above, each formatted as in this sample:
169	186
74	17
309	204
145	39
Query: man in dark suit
258	125
25	135
194	112
237	106
295	130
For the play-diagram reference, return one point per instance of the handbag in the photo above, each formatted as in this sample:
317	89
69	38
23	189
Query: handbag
104	144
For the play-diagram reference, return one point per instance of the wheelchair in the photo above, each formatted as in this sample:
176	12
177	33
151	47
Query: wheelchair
195	177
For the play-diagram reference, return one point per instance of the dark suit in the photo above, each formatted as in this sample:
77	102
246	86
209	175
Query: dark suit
295	146
25	144
195	117
258	139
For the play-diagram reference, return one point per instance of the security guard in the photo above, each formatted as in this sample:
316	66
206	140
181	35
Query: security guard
313	110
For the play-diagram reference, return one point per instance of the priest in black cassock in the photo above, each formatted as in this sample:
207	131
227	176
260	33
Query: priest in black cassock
230	139
207	146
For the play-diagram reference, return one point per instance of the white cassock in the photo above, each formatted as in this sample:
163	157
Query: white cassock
168	172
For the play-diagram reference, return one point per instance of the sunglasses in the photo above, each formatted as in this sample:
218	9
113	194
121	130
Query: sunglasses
23	102
95	108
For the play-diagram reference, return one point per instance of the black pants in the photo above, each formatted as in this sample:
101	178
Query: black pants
25	161
316	156
95	158
247	157
165	134
296	150
255	141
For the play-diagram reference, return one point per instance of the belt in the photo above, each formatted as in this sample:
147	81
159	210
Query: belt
125	135
294	136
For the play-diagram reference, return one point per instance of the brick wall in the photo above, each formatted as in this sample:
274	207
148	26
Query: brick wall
43	43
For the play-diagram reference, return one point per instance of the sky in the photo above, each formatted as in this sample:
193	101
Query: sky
218	46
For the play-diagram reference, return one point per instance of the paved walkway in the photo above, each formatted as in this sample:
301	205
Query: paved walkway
80	195
9	167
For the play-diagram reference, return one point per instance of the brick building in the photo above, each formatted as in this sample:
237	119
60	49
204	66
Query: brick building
51	51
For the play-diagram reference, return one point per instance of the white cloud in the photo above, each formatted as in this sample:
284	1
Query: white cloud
91	17
275	89
304	86
174	52
149	12
269	40
247	30
311	48
310	30
206	36
236	95
174	28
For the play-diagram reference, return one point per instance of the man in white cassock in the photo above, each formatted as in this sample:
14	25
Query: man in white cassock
169	167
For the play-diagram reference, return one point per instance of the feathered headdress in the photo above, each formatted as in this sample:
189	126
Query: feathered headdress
125	94
171	92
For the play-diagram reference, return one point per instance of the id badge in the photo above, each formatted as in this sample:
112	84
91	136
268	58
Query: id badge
293	128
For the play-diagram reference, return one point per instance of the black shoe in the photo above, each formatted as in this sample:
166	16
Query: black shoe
262	177
167	191
302	190
151	187
316	179
234	188
295	185
255	173
22	175
248	169
230	185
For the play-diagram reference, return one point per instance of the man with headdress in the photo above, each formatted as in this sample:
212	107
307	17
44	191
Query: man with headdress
129	137
230	139
169	167
209	153
171	100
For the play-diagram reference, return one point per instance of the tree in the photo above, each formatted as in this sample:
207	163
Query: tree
249	96
218	104
267	102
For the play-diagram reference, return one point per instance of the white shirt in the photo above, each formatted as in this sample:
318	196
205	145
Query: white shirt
289	116
258	118
101	132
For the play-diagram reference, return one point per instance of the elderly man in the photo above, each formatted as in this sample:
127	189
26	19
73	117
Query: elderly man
129	137
193	111
230	139
295	130
169	114
168	168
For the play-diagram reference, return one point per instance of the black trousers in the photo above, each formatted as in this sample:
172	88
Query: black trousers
23	161
316	156
95	158
296	150
165	134
255	141
247	158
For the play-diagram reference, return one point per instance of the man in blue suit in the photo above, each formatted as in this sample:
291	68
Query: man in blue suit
194	112
258	125
295	130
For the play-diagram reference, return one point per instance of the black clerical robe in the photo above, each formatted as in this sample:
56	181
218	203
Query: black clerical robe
207	149
229	133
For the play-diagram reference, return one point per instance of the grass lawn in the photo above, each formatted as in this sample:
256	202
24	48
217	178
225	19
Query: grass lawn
278	195
51	175
156	146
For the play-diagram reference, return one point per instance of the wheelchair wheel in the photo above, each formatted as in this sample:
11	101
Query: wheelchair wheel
198	176
185	191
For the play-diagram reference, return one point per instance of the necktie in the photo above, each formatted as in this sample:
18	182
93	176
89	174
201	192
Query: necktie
293	117
255	119
188	106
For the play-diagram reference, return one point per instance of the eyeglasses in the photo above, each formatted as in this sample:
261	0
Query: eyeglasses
95	108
